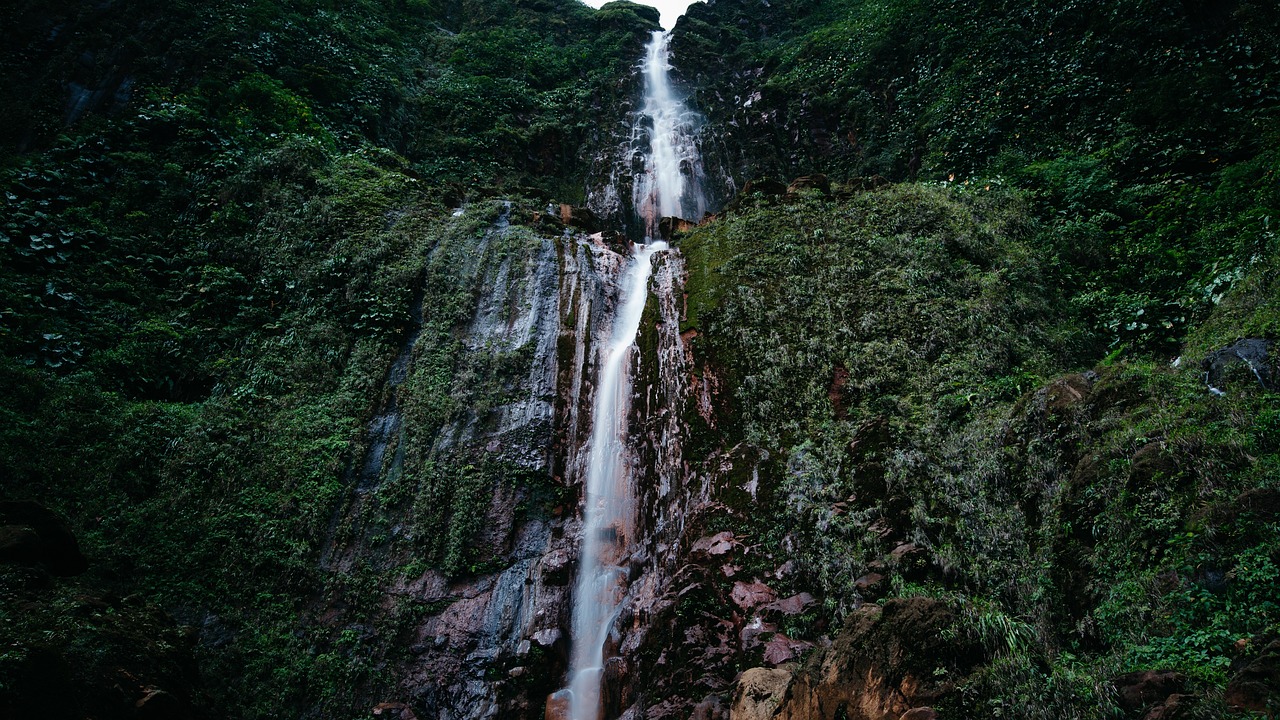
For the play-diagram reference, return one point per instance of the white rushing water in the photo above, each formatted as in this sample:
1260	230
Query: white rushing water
609	515
667	186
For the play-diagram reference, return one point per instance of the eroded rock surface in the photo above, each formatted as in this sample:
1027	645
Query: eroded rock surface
885	664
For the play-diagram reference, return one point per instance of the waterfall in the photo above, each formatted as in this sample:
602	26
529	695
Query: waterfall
667	183
609	515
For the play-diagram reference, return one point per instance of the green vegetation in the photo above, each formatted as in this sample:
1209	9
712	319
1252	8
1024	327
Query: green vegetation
893	351
1145	133
224	222
1093	189
216	231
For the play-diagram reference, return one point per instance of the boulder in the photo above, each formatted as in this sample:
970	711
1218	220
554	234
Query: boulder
920	713
669	227
793	605
1068	391
558	707
884	664
31	534
752	594
782	649
759	693
1174	707
579	217
547	638
713	545
870	586
1255	679
1138	691
810	182
1252	353
556	566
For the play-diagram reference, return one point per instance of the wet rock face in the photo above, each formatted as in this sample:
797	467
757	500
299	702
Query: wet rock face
1251	357
492	639
500	646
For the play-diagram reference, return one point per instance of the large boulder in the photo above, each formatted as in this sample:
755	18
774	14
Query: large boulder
1251	355
1255	677
884	665
759	693
33	535
669	227
1140	691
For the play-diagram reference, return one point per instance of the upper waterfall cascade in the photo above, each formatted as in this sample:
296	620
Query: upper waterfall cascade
669	175
667	184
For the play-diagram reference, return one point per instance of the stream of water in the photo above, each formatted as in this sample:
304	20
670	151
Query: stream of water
666	186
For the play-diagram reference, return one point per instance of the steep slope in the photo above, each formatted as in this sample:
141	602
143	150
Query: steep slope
987	401
889	427
978	417
223	267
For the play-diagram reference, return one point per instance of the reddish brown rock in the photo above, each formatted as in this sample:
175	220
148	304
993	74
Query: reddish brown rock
759	693
714	545
579	217
1140	690
669	227
884	664
810	182
904	551
869	585
752	594
793	605
782	649
920	713
1255	680
1174	707
558	706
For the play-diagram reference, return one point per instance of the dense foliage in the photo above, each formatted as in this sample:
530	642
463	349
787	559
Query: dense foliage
1147	130
1099	186
225	222
892	358
216	228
